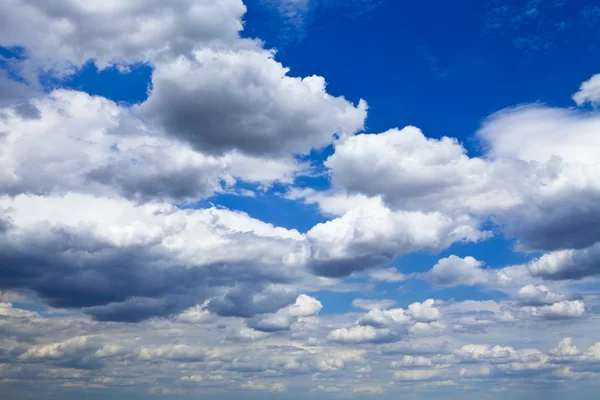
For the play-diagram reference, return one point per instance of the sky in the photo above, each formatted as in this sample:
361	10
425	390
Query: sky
273	199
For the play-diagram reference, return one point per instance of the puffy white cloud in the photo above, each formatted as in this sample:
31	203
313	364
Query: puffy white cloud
412	362
537	133
305	306
559	310
497	354
413	172
565	348
453	270
102	148
378	317
372	235
427	328
530	166
567	264
419	319
589	92
360	334
539	295
424	312
109	32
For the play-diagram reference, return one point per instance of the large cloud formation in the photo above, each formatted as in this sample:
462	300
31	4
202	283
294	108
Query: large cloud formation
115	271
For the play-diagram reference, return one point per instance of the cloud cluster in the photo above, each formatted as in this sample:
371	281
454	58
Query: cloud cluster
107	232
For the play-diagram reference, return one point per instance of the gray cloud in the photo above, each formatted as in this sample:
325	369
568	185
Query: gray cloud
225	100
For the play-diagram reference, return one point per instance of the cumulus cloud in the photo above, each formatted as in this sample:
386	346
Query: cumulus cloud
360	334
101	148
589	92
305	306
413	172
219	101
383	318
425	312
565	348
567	264
412	362
453	270
536	133
88	221
373	235
71	33
539	295
559	310
529	167
130	261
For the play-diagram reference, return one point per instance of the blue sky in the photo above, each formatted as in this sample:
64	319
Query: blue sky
299	198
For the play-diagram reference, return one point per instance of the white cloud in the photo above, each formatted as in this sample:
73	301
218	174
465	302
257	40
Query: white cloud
151	248
102	149
424	312
359	334
565	348
567	264
427	328
589	92
537	133
367	237
378	317
531	295
559	310
417	314
412	362
453	270
305	306
530	166
413	172
114	32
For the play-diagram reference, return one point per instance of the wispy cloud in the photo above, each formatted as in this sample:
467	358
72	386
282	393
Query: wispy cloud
298	15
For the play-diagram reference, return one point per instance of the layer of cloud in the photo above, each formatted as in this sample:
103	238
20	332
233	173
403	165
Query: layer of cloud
72	33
